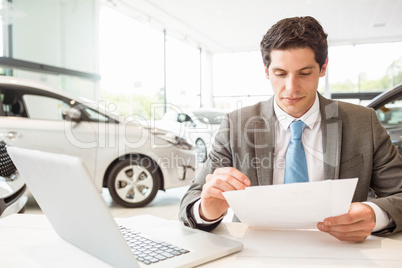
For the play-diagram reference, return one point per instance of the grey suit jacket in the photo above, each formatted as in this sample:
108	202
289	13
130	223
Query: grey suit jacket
354	145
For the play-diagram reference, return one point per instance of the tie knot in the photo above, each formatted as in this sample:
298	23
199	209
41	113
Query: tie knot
296	129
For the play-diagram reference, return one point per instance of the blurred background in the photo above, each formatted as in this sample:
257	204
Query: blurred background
147	58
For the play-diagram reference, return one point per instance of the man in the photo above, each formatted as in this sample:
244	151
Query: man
340	141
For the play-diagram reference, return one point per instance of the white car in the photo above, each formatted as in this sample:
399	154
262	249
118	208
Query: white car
388	106
196	126
132	160
13	191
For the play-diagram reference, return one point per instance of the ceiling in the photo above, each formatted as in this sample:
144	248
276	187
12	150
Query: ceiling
238	25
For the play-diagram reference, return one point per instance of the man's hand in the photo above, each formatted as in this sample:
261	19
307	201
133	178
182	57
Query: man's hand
355	226
213	204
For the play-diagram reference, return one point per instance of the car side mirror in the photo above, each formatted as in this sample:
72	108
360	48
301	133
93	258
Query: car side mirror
184	118
72	114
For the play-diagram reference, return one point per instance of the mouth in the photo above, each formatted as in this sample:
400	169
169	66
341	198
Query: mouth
292	99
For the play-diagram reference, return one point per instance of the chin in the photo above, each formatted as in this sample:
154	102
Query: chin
295	113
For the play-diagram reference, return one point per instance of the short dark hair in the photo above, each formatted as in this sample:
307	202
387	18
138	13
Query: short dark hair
297	32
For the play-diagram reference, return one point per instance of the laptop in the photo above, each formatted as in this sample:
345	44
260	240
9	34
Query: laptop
66	194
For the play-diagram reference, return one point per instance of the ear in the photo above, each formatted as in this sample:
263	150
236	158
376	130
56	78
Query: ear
266	72
324	68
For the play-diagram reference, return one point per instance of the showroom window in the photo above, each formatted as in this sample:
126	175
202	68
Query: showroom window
183	73
55	54
132	62
364	68
239	78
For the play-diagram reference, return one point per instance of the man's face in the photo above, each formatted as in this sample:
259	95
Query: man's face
294	76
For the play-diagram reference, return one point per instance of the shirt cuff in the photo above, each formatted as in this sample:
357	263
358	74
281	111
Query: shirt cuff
382	219
197	217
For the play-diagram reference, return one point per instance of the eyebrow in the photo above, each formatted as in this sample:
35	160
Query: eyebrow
302	69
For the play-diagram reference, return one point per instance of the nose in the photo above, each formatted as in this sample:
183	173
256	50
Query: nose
291	82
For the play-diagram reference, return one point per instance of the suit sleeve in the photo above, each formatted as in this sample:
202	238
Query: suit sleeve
220	156
386	180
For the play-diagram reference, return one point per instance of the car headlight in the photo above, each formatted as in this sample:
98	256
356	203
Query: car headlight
173	139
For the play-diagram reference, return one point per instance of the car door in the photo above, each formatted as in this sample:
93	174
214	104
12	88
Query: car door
33	119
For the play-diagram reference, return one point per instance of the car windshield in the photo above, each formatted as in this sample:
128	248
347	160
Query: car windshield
391	113
214	118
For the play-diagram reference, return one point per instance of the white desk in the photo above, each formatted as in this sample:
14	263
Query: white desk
30	241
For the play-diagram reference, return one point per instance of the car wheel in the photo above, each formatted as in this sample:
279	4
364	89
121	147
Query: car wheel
134	182
201	151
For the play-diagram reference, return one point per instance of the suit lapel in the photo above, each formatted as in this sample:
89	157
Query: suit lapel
264	139
264	135
331	127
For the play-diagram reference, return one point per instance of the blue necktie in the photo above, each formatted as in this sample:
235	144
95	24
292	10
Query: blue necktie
295	163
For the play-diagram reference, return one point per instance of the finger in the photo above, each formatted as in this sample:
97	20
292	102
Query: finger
339	220
234	173
224	182
212	192
357	212
350	236
356	236
361	226
355	231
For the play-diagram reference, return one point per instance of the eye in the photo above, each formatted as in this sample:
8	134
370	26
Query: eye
305	73
280	74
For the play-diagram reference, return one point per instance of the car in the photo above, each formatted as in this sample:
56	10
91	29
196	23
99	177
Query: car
132	160
13	191
388	106
197	126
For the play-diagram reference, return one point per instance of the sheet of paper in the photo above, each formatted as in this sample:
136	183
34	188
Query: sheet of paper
292	206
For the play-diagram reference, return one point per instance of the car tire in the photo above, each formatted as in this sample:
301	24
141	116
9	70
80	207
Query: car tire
202	153
134	181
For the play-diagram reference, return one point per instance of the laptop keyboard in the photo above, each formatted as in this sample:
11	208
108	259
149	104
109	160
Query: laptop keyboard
148	250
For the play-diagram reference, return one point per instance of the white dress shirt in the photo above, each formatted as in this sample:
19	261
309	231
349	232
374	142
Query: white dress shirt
312	143
311	140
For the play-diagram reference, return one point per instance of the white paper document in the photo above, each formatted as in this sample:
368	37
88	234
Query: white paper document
292	206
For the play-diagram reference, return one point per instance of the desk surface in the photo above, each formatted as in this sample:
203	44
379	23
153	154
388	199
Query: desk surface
30	241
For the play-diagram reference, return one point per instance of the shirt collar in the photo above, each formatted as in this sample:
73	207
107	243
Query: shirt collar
309	118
